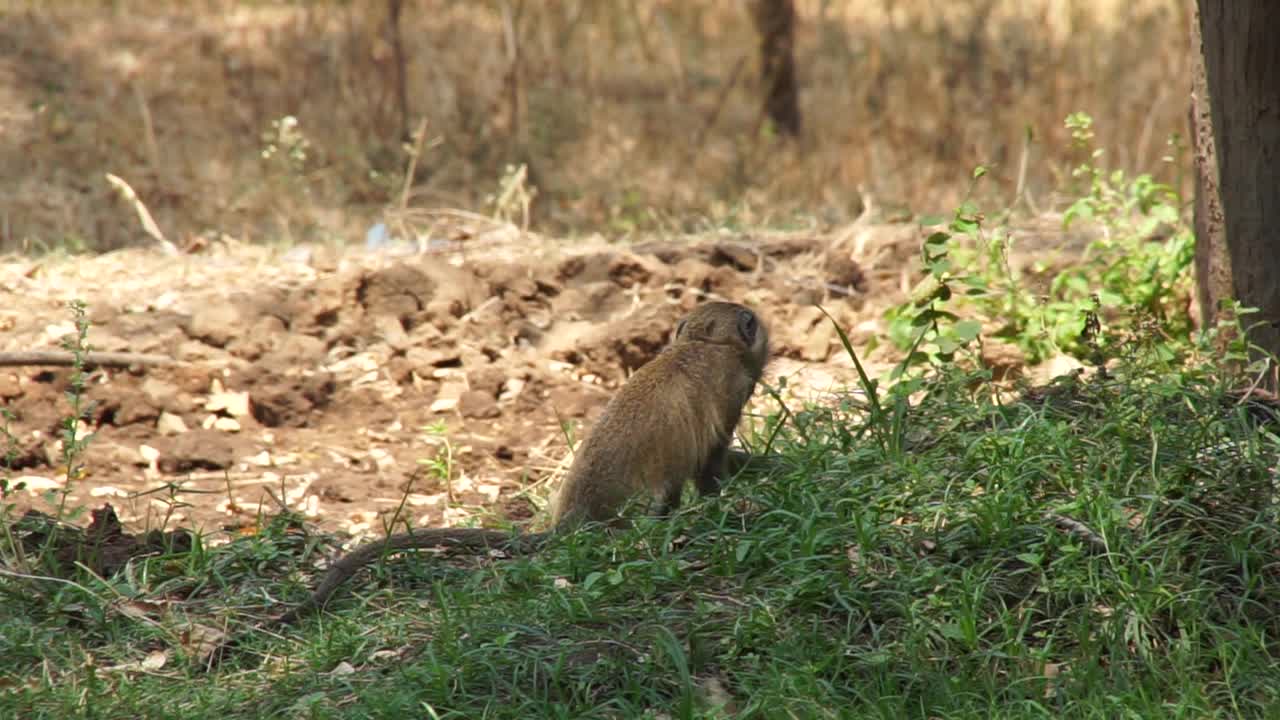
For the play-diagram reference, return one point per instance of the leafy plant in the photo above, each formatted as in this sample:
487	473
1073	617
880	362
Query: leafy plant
1131	283
930	333
75	440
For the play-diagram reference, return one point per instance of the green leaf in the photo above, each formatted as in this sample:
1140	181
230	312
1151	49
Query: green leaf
926	317
1032	559
967	330
939	267
966	226
937	238
1107	298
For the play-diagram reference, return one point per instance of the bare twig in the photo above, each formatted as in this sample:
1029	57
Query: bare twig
95	359
148	223
418	138
148	127
720	99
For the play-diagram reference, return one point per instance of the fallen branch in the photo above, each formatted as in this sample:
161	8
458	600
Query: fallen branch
1080	531
92	359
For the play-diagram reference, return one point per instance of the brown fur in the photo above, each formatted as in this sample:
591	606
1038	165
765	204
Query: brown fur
672	420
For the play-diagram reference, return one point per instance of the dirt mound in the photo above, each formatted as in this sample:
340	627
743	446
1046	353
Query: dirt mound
340	384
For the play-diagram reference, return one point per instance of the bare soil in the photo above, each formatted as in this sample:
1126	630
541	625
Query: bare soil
351	385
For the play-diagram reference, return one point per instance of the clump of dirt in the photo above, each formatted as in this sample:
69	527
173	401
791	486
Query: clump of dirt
351	385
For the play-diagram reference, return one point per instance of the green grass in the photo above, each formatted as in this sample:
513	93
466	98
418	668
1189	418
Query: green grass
929	577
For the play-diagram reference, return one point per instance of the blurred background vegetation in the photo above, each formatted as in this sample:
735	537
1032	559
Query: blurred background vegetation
285	121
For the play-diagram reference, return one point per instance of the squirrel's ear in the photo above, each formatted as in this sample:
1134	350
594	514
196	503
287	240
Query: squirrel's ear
747	326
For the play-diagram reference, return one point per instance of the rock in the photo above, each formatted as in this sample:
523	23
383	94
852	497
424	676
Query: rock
290	401
391	331
478	404
488	380
195	351
817	343
235	404
10	386
523	288
804	297
443	404
260	338
1005	360
570	401
805	318
1060	365
215	323
296	350
427	360
844	271
741	258
451	392
149	455
161	395
170	424
400	291
199	450
511	389
133	408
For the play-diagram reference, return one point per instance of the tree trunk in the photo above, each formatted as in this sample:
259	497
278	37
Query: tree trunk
775	20
1242	70
1213	262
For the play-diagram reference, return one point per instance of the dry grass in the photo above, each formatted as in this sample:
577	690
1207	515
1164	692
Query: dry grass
629	115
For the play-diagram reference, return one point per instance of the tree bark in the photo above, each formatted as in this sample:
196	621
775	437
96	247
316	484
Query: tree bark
1213	262
775	20
1242	70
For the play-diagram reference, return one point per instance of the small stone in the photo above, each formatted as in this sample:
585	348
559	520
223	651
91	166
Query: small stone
569	401
478	404
817	343
804	297
133	409
443	405
389	328
215	323
235	404
427	360
199	450
1005	360
170	424
159	394
511	389
226	424
843	271
299	349
738	256
262	459
10	386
